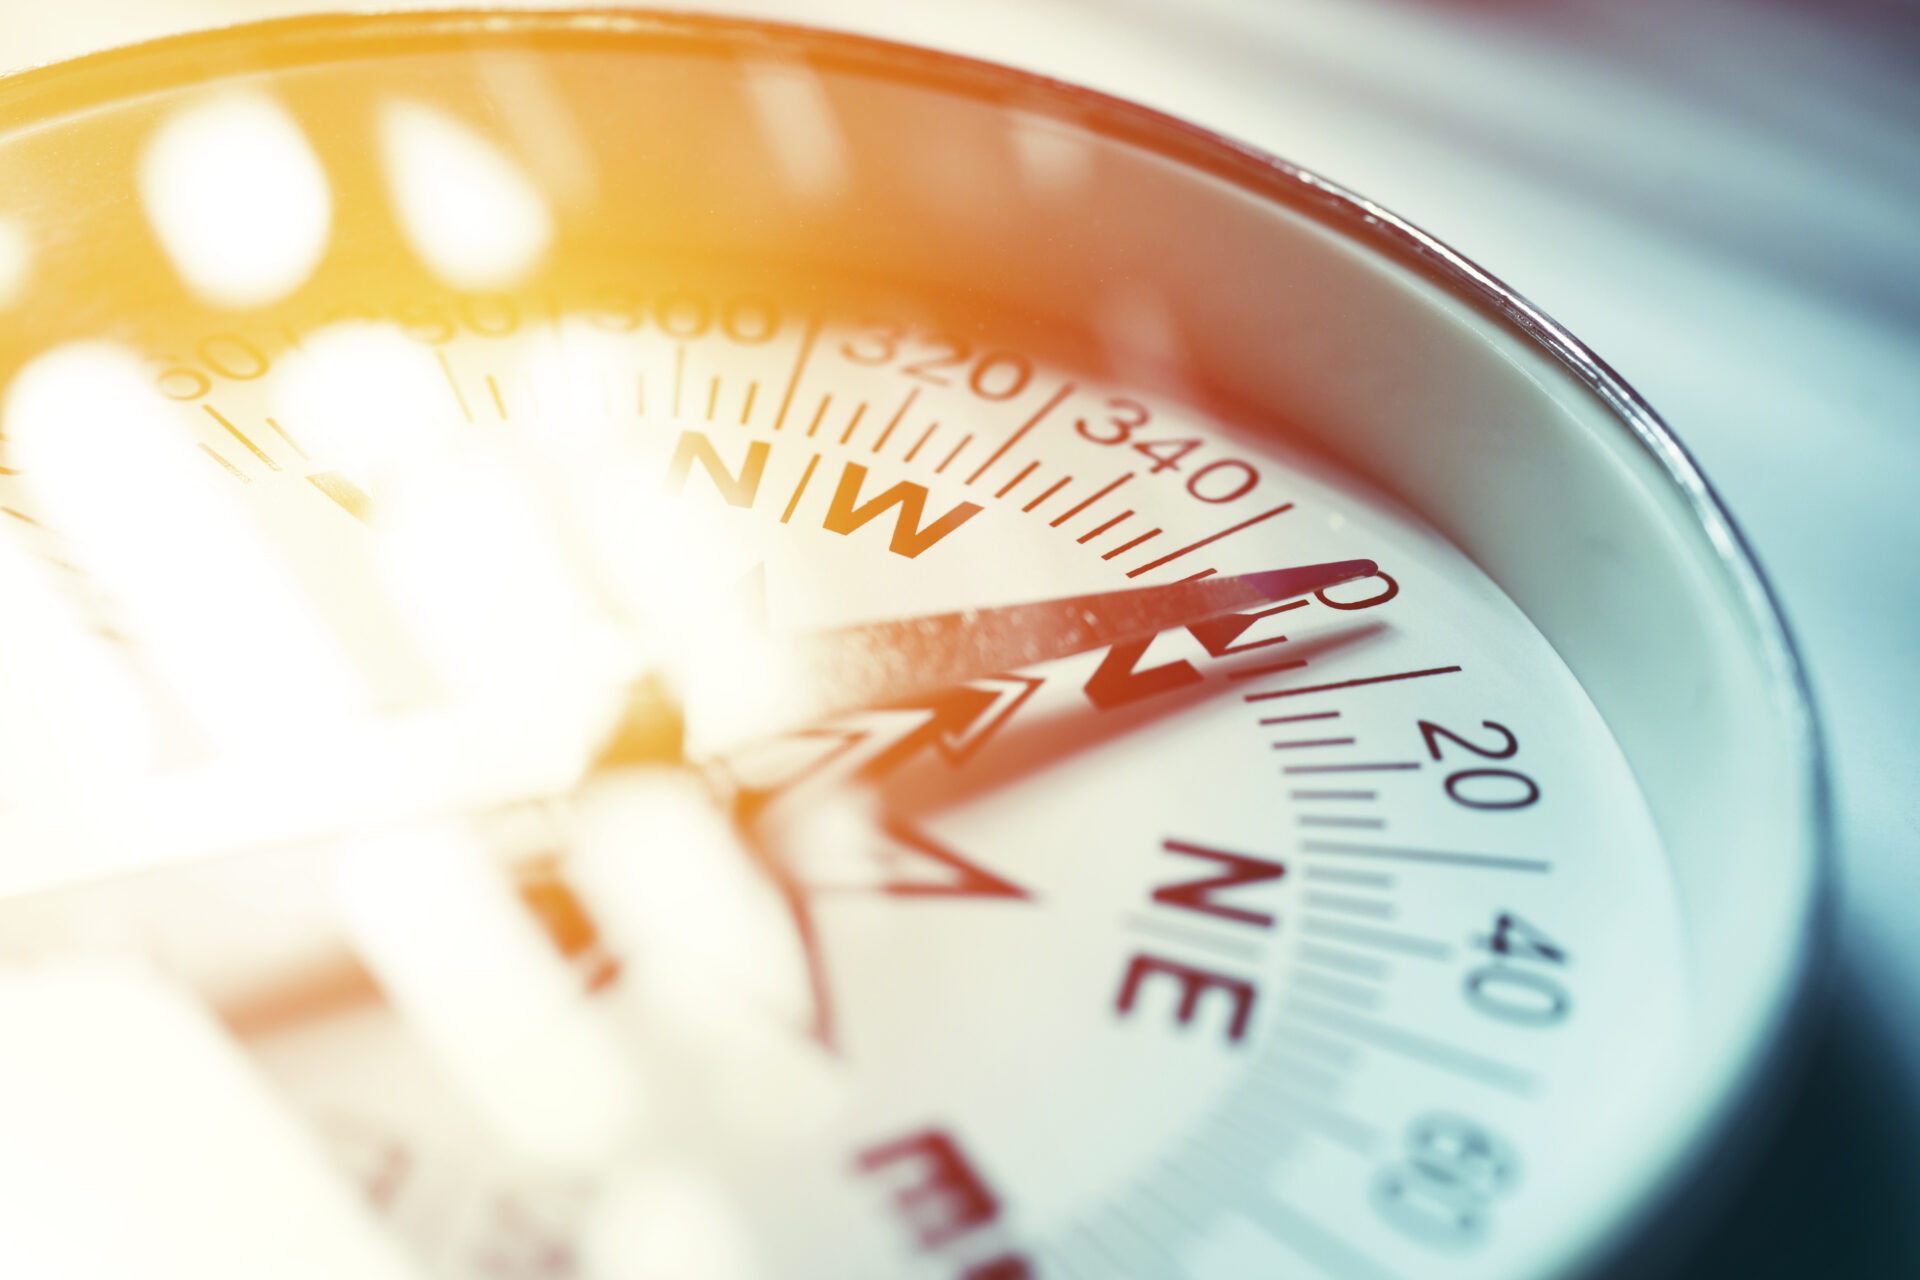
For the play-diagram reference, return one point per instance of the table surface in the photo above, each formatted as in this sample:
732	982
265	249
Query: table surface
1722	197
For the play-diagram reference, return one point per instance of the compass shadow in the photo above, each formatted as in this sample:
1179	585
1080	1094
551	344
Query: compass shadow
1032	744
1837	1190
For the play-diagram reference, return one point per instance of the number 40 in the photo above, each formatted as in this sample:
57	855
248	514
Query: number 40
1519	984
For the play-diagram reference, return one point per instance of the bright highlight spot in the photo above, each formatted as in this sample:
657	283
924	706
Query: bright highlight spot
440	927
238	199
370	401
1054	159
468	211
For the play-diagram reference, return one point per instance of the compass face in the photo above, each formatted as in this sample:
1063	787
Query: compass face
429	442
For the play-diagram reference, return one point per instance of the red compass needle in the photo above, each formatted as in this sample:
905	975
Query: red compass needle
884	662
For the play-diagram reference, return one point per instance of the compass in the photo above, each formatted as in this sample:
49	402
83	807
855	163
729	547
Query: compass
644	646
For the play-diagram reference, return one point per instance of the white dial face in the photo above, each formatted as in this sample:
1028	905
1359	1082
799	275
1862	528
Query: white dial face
1332	937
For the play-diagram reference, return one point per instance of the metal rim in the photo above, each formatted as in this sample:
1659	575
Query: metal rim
33	97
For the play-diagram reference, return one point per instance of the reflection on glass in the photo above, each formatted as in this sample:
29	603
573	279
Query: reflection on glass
16	261
237	199
470	212
797	120
108	461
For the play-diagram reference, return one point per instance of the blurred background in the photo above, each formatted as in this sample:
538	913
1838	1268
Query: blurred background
1722	197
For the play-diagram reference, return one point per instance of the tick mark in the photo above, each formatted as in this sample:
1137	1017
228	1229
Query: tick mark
290	441
1066	389
351	498
799	367
924	437
1125	547
458	398
1049	491
1088	501
236	433
859	411
1349	684
818	414
1361	935
1095	532
964	442
1492	862
800	488
1007	488
1372	908
1345	875
1210	539
232	470
1435	1053
1347	962
886	432
1351	994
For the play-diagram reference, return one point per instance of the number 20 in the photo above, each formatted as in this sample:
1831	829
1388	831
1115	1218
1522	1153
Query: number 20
1484	788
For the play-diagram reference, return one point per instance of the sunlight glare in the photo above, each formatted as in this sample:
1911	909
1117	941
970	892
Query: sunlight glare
443	931
664	1223
76	720
143	1141
373	402
674	887
113	470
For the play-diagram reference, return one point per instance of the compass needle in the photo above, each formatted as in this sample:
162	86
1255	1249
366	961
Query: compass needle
886	662
662	647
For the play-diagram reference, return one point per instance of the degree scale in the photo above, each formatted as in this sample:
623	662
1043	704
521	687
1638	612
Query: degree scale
435	438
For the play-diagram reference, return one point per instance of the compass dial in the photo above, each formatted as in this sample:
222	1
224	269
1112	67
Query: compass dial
437	444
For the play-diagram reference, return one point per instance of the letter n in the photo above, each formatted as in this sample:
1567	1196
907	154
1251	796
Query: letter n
1236	870
909	539
740	490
